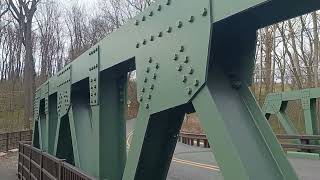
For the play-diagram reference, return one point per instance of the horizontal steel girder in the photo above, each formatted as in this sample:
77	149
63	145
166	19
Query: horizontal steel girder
189	56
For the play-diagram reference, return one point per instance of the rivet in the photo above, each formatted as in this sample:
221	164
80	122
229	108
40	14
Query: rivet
160	34
148	69
187	59
191	20
150	60
191	70
144	42
154	76
157	66
145	80
138	45
151	13
152	38
143	18
184	79
152	87
176	57
182	49
189	91
205	12
169	30
179	24
141	99
179	68
196	83
159	7
149	96
143	90
168	2
147	106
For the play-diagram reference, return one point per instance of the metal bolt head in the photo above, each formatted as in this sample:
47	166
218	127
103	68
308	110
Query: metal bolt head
169	30
160	34
189	91
140	98
150	60
184	79
154	76
152	87
148	69
179	24
145	80
157	66
196	83
176	57
187	59
159	7
144	42
191	19
137	45
149	96
181	49
143	90
204	12
147	106
168	2
152	38
179	67
143	18
190	70
136	23
151	13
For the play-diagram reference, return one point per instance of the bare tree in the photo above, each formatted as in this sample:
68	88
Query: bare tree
23	12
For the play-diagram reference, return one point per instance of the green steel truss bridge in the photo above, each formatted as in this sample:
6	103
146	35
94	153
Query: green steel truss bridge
189	56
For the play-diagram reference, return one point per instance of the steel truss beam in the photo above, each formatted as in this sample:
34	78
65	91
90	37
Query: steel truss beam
189	56
276	103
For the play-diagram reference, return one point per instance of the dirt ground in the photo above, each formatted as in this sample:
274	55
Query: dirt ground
9	166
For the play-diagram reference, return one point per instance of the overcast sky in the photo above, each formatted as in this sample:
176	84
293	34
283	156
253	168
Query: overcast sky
88	4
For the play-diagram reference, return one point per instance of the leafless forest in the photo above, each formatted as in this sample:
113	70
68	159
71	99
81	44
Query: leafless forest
39	37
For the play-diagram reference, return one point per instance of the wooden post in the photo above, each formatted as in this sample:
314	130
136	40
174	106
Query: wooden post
41	164
7	142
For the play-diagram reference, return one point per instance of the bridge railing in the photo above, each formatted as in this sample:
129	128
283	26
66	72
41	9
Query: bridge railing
11	140
308	142
36	164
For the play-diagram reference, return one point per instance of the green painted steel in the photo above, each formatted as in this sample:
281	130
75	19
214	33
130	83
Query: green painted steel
189	56
276	103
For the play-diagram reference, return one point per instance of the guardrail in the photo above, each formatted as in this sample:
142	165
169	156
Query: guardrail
36	164
11	140
309	143
192	139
